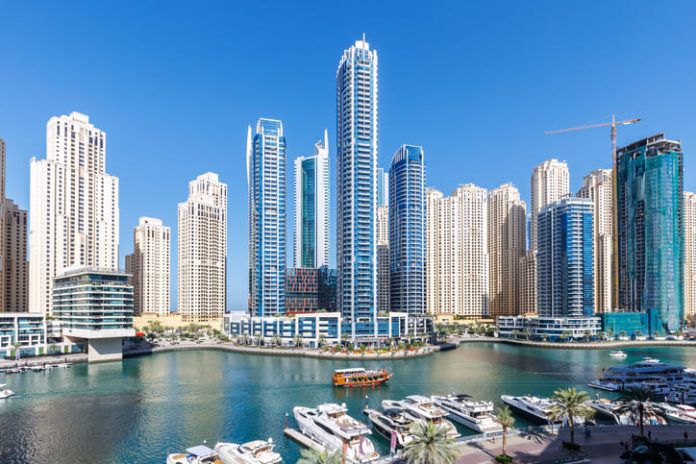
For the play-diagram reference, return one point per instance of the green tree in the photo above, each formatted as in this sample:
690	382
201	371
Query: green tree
430	444
570	405
311	456
636	402
506	421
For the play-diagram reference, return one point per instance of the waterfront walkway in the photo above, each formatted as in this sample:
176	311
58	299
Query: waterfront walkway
603	345
601	447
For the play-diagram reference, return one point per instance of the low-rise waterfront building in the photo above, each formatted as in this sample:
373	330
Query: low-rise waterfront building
22	331
548	328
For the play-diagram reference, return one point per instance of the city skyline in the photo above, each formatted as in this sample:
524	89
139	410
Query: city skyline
24	139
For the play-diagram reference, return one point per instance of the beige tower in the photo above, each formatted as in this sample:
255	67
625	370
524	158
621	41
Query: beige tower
527	298
507	220
432	250
597	186
383	269
689	254
151	267
550	183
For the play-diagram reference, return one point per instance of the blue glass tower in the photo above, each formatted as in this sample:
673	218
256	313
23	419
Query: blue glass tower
356	187
650	231
565	270
407	230
266	181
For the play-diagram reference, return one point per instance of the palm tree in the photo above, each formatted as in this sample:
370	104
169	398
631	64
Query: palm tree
504	417
430	444
636	402
570	405
311	456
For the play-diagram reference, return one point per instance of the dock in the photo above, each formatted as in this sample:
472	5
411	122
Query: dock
303	440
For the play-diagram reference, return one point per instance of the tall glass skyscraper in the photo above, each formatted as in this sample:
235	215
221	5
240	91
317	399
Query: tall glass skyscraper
356	193
565	271
650	231
407	230
312	207
265	158
382	187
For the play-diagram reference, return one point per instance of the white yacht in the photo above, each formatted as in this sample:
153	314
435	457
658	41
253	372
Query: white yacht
619	378
609	410
332	427
422	407
392	420
683	393
680	413
618	355
200	454
5	392
476	415
534	408
253	452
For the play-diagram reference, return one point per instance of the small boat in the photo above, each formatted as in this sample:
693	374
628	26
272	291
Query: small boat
200	454
360	377
253	452
423	408
476	415
5	392
392	421
618	354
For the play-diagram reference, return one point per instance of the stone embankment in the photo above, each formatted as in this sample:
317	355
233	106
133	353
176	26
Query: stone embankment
578	345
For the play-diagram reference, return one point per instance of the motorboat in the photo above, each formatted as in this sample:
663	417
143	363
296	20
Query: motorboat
253	452
532	407
476	415
620	378
5	392
200	454
331	426
422	407
608	410
618	355
392	421
680	413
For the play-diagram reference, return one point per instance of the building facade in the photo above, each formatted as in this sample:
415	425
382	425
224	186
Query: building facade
689	254
528	290
202	250
73	206
550	183
649	195
598	187
432	250
382	187
507	243
565	281
312	207
383	263
407	230
15	267
310	290
266	155
151	267
356	193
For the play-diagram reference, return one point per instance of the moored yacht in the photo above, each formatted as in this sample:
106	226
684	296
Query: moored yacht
476	415
200	454
253	452
608	410
332	427
5	392
422	407
619	378
683	393
392	421
680	413
534	408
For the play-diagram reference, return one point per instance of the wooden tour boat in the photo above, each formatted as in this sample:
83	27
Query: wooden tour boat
360	377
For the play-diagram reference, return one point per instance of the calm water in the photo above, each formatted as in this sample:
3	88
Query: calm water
141	409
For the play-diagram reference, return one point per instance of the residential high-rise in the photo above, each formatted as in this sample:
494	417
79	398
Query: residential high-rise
550	183
382	187
564	259
690	254
507	243
73	206
432	250
202	250
407	230
312	207
356	193
383	264
458	272
528	290
14	260
266	180
649	231
598	187
151	267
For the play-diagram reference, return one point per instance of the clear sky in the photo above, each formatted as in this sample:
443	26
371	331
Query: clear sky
175	84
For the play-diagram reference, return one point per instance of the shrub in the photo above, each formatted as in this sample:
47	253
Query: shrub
503	458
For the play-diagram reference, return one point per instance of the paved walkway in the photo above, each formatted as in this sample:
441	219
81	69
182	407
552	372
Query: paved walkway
602	447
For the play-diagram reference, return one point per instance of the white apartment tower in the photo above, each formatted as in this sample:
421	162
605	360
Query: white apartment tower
507	222
598	187
689	254
202	250
457	252
73	206
550	183
151	267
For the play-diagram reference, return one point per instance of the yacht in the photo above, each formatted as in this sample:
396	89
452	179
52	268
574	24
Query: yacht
684	393
619	378
537	409
608	410
253	452
332	427
476	415
200	454
392	420
680	413
422	407
5	392
618	354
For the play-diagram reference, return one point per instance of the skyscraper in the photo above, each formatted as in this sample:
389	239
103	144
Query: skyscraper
598	187
202	250
689	254
356	195
507	223
550	183
407	230
432	250
73	206
565	279
649	229
265	158
382	187
151	267
383	263
312	207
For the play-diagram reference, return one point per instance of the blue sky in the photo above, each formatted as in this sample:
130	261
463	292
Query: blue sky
175	84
